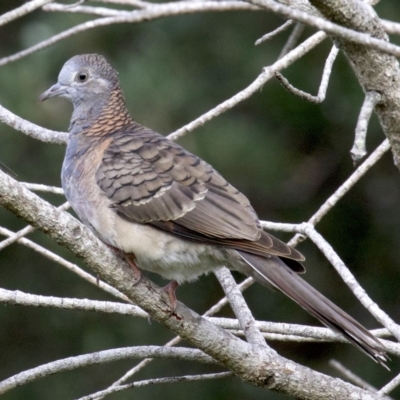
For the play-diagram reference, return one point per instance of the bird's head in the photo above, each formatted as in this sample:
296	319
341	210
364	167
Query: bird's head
84	80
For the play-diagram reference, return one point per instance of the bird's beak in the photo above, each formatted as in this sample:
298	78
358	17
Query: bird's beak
55	90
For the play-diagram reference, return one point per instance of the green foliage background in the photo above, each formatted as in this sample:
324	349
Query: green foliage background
285	154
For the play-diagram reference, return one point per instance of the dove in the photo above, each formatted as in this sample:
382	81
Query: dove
165	209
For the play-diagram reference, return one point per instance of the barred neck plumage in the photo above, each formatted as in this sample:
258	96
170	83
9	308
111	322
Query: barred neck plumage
105	116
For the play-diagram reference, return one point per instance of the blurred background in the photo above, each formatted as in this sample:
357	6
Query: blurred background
285	154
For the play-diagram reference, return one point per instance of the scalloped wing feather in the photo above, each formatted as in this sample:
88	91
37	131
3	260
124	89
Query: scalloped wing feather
150	179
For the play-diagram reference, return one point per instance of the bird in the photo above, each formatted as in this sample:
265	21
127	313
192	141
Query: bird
167	210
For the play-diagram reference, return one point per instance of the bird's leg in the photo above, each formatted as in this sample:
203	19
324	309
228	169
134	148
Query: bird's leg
130	259
114	249
170	289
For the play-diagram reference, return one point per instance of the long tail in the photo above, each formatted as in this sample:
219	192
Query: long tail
274	271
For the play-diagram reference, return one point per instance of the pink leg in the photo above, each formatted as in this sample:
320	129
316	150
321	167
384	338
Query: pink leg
130	259
113	248
170	289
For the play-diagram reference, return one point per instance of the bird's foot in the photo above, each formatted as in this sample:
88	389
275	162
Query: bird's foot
170	289
130	259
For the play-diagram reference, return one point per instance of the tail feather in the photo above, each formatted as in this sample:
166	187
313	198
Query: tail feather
273	271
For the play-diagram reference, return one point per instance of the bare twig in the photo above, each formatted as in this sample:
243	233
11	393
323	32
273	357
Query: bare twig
22	10
322	87
358	150
25	231
352	377
256	85
275	32
132	3
277	331
292	40
16	297
390	386
309	230
391	27
345	187
217	307
99	11
240	308
76	4
188	7
155	12
138	367
213	310
101	357
328	27
173	379
351	281
35	187
266	75
351	181
70	266
32	130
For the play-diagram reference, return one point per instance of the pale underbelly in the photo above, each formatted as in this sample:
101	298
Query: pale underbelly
154	250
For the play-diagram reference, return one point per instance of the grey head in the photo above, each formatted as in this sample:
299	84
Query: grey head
85	80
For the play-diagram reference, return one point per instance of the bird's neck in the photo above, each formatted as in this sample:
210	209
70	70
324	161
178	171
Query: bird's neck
100	117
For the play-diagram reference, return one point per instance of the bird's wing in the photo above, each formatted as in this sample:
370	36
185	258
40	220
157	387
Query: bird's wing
151	180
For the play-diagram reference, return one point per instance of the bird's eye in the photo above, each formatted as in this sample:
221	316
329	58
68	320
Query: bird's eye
82	76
